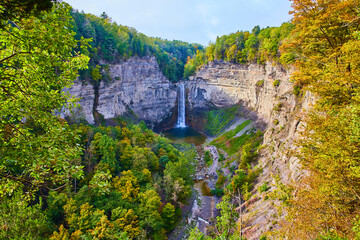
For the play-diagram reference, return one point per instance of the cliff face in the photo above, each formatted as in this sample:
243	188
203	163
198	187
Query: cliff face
225	84
138	87
267	91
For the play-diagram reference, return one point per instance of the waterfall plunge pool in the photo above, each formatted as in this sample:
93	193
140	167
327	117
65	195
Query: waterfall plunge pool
185	135
181	133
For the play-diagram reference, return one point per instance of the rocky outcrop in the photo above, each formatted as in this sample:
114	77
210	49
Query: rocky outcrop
84	91
223	84
138	87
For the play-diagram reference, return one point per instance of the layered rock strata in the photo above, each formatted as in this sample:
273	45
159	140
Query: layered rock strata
137	87
222	84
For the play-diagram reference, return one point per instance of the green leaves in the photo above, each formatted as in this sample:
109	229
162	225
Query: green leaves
37	62
18	220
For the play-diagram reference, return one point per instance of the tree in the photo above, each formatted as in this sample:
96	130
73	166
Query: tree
226	222
104	149
168	215
18	220
37	60
149	215
127	221
127	185
17	10
326	42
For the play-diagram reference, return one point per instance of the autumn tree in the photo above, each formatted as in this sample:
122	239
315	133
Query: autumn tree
127	185
326	43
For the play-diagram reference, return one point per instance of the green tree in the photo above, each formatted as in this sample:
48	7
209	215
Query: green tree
18	220
168	215
37	61
16	10
226	222
148	211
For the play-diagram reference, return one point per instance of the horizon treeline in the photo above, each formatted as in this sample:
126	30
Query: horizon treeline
244	47
112	42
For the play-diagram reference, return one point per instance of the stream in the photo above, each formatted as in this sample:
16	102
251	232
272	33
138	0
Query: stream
201	210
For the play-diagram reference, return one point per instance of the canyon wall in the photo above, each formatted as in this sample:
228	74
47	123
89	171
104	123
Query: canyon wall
138	87
266	91
223	84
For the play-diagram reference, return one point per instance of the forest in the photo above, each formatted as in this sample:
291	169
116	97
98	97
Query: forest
111	43
61	181
74	181
243	47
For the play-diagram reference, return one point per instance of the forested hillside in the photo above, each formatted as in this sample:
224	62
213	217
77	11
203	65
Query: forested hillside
326	41
257	46
80	182
323	46
112	42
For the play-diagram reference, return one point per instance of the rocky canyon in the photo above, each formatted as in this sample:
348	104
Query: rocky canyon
138	87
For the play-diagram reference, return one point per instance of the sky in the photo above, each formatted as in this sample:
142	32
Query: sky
194	21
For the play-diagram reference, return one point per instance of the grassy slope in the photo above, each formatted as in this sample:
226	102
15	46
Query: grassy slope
229	142
217	120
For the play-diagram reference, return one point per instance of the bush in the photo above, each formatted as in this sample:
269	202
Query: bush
207	157
219	192
276	83
278	107
260	83
221	157
296	89
264	187
263	237
220	182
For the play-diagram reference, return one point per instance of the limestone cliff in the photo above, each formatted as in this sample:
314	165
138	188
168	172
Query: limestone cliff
138	87
267	91
223	84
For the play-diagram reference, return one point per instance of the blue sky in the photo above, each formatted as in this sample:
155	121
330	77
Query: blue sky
196	21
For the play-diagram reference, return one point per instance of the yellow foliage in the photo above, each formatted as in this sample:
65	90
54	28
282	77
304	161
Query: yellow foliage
127	185
326	39
63	234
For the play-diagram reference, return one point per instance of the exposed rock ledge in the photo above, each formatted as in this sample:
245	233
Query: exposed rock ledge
138	87
223	84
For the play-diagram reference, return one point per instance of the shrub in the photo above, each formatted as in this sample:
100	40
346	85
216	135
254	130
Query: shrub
278	106
219	192
260	83
264	187
220	182
296	89
276	83
207	157
221	157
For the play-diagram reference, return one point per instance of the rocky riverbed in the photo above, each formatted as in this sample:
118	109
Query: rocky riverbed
202	211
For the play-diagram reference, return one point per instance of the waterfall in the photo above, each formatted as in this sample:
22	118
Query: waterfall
181	107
